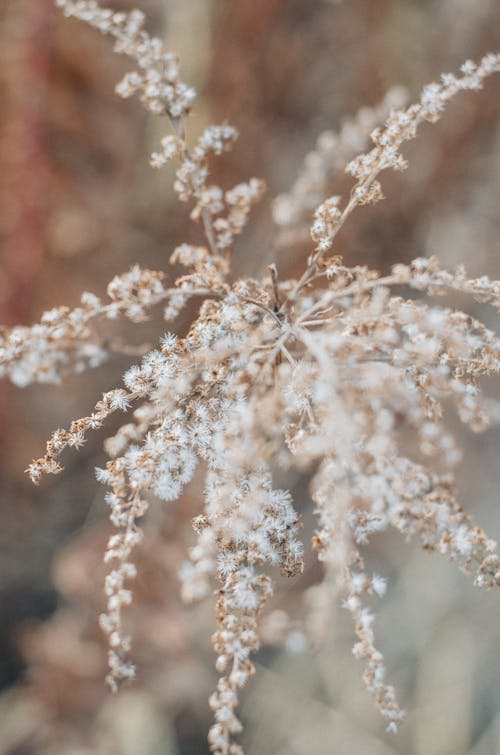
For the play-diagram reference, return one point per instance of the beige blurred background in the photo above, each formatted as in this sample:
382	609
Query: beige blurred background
78	203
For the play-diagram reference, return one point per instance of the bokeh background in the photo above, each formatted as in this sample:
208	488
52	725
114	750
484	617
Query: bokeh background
78	203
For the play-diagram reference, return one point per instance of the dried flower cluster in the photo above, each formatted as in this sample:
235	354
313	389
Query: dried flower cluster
291	211
324	374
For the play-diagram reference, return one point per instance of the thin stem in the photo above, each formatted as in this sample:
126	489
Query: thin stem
262	306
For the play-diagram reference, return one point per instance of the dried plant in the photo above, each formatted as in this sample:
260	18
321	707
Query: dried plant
324	374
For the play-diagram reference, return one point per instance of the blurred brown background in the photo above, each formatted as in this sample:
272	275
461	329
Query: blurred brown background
78	203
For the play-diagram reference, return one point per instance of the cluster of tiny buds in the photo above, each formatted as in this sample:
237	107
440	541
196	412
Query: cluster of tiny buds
234	641
239	201
112	401
157	78
64	339
402	125
374	675
330	156
326	218
211	200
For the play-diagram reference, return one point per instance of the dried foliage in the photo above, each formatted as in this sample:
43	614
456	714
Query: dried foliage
325	373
